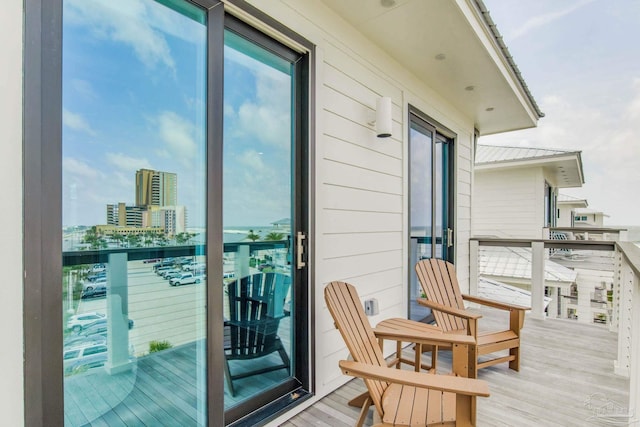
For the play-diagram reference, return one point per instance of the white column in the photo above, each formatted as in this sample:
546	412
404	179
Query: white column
242	261
537	280
117	314
474	273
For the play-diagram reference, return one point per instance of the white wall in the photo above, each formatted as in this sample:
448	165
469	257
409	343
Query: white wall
509	203
361	186
11	367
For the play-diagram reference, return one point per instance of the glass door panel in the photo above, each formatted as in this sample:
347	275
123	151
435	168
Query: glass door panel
421	206
134	213
430	202
258	208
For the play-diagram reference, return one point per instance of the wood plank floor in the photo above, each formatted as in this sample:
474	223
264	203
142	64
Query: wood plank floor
565	366
566	376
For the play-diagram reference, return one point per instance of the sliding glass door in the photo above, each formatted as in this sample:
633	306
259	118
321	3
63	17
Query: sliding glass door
184	215
263	85
430	202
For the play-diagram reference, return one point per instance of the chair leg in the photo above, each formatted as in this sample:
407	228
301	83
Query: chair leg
515	363
227	374
285	357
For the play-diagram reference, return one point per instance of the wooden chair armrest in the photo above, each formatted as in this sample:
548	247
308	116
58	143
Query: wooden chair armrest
449	310
447	383
431	338
494	304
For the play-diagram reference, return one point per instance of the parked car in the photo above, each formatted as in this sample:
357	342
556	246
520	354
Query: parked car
97	292
92	284
95	276
98	268
184	279
170	274
88	357
161	270
78	321
102	322
195	266
84	341
100	329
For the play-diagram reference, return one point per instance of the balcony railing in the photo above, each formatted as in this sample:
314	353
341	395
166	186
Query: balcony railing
620	304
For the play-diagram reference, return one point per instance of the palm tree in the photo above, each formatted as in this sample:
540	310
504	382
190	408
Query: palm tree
274	235
252	236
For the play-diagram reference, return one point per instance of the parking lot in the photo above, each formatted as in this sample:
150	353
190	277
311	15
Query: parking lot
160	312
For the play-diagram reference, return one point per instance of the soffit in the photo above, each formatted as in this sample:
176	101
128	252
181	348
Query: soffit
414	32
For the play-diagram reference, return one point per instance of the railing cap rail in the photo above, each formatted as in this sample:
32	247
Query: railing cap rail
596	245
631	254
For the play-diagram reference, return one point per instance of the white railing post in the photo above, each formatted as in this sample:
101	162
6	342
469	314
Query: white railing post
537	280
634	368
474	252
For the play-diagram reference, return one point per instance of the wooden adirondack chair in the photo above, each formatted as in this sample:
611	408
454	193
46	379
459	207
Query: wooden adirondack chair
402	398
440	284
256	305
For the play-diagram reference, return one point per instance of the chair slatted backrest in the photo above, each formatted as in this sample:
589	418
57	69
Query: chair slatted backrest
440	284
255	311
349	317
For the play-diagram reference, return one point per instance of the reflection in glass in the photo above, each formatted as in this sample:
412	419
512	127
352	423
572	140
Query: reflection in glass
420	143
257	212
134	281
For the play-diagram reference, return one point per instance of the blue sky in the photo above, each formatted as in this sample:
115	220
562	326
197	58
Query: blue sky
581	60
134	97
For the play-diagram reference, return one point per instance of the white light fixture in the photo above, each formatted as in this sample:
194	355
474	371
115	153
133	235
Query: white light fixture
383	122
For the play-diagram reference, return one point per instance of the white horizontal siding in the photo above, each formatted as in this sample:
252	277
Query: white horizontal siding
507	203
360	180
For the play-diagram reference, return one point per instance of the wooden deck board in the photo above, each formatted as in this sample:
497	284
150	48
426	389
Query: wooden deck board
563	364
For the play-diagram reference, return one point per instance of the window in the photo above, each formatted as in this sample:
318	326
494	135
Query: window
431	213
133	107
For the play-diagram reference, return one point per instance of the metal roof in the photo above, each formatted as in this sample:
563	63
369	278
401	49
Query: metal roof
516	263
498	291
505	51
565	198
495	153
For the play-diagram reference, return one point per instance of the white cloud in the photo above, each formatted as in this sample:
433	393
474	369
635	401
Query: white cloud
610	151
125	21
127	163
179	136
78	168
268	119
545	19
76	122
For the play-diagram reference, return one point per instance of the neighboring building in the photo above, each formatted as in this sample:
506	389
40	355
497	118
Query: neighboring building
109	230
516	189
355	198
155	188
584	217
126	216
172	219
566	208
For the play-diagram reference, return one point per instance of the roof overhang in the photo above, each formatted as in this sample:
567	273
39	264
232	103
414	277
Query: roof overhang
562	171
454	48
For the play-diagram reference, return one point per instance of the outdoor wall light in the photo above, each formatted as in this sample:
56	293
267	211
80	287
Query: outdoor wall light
383	122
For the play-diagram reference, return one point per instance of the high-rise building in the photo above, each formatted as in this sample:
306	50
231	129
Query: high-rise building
156	188
122	215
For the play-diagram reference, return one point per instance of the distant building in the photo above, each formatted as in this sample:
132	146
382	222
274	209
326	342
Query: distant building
566	208
109	230
125	216
155	188
584	217
172	219
516	189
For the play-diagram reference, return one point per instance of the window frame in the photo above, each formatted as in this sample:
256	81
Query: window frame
42	204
